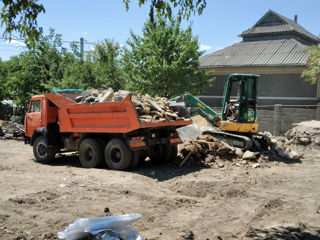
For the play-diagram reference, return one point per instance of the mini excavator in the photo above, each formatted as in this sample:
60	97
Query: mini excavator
237	125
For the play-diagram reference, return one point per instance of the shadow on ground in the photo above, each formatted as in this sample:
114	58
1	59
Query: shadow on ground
160	172
166	171
301	232
70	159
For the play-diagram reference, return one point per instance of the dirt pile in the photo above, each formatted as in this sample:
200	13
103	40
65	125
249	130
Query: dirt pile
10	130
304	133
149	109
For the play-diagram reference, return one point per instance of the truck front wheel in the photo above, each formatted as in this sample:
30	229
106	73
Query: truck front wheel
117	155
41	151
90	153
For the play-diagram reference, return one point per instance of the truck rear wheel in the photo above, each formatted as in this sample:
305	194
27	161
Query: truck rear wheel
117	155
90	153
41	151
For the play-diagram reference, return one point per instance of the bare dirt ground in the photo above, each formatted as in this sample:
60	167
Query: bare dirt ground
279	202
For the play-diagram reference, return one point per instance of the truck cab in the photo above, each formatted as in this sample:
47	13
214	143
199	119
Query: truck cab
39	114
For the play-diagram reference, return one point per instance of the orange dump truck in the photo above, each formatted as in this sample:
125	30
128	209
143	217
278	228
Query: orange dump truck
107	132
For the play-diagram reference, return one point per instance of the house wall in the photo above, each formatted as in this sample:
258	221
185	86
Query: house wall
276	86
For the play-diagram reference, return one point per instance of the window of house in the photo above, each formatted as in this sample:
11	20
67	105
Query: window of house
35	106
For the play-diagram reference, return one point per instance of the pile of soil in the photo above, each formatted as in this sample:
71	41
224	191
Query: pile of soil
304	133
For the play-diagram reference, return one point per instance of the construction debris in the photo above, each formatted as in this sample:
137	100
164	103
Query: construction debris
209	151
149	109
206	148
304	133
11	131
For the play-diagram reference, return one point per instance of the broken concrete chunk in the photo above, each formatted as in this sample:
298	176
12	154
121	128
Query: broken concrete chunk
305	140
239	152
249	155
154	105
294	155
107	96
136	102
256	165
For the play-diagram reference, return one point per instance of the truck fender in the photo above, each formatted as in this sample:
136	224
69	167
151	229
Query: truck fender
42	131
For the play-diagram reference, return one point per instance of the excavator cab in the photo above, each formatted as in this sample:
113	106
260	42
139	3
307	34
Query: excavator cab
239	112
242	108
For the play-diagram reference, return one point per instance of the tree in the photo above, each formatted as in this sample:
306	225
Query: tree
164	7
21	15
50	65
37	70
106	60
312	74
3	75
164	61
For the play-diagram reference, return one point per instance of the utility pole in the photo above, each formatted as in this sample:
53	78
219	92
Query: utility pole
81	47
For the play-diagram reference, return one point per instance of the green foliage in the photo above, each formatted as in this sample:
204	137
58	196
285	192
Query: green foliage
165	7
50	65
21	16
3	74
16	119
106	59
164	61
312	74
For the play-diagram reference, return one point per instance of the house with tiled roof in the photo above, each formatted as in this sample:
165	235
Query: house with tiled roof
274	48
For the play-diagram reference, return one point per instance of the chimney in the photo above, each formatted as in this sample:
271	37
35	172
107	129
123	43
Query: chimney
296	18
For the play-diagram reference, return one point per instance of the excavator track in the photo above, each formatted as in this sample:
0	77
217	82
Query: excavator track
234	140
253	142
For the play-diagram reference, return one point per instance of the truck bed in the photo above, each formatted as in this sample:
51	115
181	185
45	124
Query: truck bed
106	117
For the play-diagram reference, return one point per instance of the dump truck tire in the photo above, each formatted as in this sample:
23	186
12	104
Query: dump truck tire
117	155
41	151
90	153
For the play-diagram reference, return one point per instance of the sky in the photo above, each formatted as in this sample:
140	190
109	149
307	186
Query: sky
219	25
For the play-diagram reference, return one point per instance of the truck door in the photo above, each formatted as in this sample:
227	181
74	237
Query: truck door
33	117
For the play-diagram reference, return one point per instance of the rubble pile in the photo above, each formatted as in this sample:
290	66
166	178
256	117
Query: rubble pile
11	131
304	133
154	109
209	151
149	109
280	145
100	95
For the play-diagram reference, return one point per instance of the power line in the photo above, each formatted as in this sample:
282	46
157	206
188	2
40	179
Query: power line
64	41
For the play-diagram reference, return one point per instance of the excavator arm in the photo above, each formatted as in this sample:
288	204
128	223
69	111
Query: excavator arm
196	107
